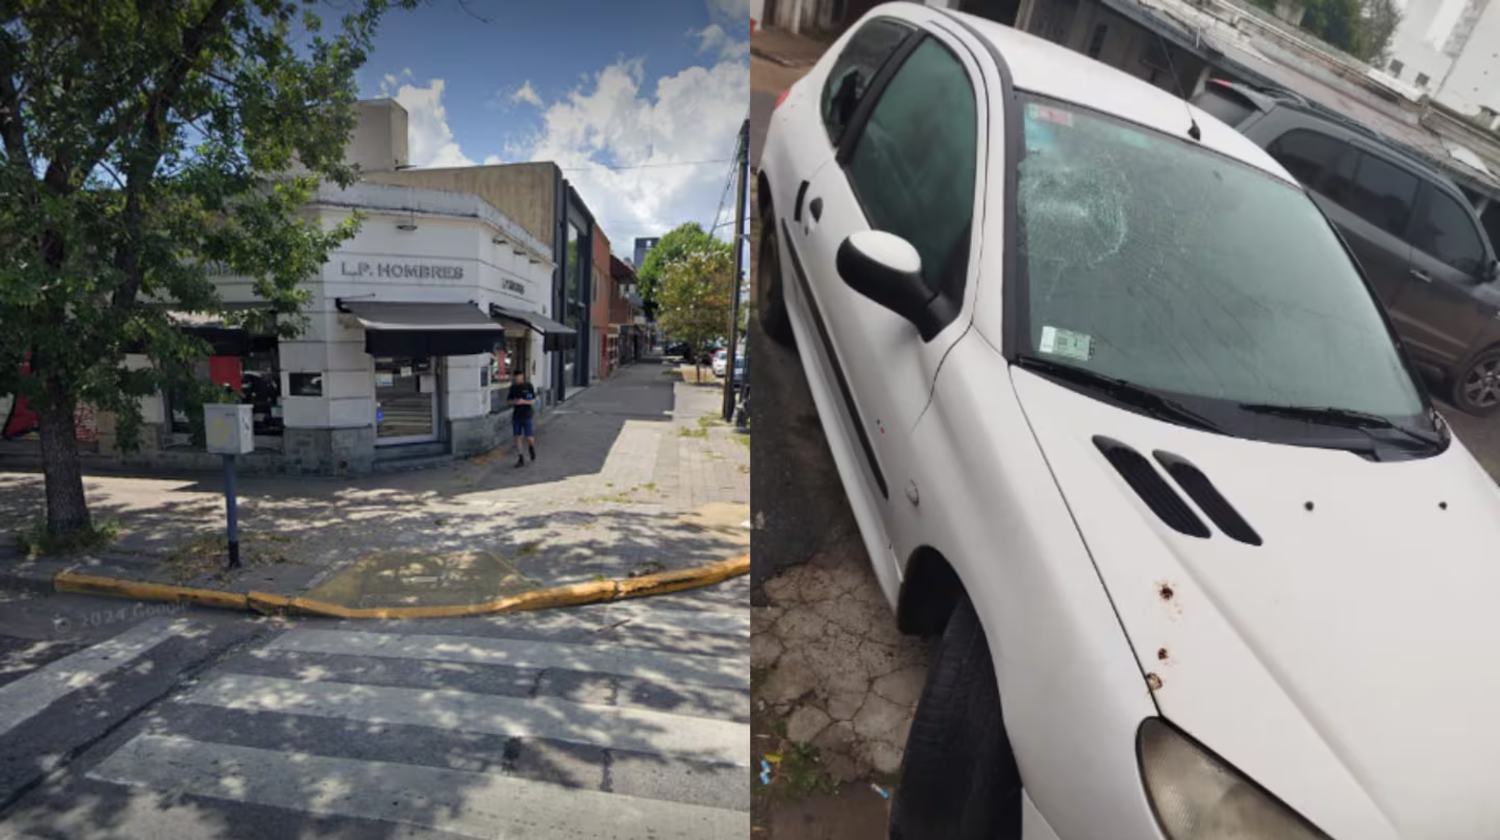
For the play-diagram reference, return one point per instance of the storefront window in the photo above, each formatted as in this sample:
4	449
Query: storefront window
503	365
405	399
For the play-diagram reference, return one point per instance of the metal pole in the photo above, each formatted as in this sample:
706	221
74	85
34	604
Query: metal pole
739	255
231	507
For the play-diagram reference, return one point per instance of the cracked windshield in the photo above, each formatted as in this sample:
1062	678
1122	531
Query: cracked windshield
1151	260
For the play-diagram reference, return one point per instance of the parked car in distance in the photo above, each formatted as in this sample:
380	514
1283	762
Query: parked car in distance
1414	232
721	361
1120	420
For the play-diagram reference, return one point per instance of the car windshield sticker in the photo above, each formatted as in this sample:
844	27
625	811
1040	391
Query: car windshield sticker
1051	115
1067	344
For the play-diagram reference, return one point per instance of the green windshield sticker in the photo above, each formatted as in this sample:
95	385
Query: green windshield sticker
1066	343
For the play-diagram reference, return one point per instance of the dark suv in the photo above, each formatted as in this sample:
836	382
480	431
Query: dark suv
1415	235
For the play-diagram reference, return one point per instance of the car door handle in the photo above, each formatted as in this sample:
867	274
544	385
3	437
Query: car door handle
816	209
1421	275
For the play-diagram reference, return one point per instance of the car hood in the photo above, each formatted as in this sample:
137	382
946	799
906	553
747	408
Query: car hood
1351	662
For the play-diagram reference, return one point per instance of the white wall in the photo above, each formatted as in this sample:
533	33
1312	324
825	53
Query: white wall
1418	42
1475	79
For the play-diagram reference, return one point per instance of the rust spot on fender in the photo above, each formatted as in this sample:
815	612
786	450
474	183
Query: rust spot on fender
1153	682
1166	595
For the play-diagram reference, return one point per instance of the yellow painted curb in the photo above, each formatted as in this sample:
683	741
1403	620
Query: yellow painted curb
541	599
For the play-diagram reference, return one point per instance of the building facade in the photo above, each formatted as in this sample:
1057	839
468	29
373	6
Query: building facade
1447	48
626	320
602	282
538	198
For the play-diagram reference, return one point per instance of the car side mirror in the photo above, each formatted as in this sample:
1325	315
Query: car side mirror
1491	272
886	269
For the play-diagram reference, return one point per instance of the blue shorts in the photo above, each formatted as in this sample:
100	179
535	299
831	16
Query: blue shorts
522	428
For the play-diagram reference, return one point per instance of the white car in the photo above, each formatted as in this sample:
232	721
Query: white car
1119	417
720	363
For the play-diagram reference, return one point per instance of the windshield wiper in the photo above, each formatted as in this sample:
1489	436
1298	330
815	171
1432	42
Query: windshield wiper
1122	391
1346	417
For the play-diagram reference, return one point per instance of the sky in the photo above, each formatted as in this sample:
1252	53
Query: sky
619	94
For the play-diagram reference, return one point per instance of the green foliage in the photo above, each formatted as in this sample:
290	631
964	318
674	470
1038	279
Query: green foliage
35	541
694	297
142	143
682	240
1362	28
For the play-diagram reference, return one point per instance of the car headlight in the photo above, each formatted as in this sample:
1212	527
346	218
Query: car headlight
1197	796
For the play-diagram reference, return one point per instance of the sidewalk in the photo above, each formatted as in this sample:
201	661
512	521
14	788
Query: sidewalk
634	476
786	49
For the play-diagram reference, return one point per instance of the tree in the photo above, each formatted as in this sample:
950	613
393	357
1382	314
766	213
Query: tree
678	243
1377	28
695	296
1362	28
143	143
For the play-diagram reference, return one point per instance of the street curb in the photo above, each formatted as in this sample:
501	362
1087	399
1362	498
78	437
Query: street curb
541	599
793	63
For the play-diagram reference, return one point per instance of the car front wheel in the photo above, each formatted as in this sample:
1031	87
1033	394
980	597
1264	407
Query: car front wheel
958	778
1476	388
770	300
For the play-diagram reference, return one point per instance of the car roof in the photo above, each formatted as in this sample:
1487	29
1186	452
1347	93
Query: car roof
1266	99
1042	67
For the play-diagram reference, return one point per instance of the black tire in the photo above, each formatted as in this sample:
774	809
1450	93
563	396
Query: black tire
770	299
1476	385
958	777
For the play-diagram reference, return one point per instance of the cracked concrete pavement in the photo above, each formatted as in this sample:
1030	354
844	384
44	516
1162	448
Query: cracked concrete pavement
830	662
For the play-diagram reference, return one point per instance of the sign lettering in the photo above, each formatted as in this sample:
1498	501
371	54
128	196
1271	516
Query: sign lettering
402	271
512	286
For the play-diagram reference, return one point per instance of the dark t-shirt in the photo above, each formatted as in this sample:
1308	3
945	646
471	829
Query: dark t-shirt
521	391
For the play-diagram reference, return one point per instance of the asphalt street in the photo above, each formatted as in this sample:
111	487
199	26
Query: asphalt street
121	719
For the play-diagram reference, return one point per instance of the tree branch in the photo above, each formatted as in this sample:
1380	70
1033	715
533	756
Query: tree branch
141	166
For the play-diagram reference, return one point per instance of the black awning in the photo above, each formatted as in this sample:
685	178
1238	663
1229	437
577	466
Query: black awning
555	336
424	329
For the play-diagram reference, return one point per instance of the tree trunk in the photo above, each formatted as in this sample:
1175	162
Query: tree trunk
67	509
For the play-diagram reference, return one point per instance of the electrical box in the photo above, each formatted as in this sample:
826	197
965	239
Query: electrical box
229	429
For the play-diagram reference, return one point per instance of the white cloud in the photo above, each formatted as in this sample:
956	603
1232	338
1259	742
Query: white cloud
527	93
615	117
733	13
491	160
429	140
709	37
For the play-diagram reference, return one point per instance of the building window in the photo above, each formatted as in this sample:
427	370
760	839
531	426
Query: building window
1396	67
503	365
1422	80
253	375
1096	44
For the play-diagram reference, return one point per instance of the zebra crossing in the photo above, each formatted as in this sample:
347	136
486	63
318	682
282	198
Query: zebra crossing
628	720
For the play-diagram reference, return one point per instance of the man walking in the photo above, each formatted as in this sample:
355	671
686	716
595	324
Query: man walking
522	397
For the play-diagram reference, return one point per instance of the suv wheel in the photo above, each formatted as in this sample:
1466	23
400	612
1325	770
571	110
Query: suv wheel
770	301
1476	388
958	778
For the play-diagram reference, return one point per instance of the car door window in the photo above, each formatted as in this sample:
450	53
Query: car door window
861	59
913	162
1382	194
1307	155
1446	231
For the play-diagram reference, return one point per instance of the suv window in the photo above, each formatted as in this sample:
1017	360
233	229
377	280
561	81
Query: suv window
1381	194
1446	231
1224	104
1307	155
913	163
861	59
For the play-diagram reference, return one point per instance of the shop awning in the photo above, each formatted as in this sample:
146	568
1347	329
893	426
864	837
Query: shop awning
555	336
424	329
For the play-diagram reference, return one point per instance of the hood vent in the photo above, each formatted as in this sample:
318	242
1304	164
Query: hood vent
1152	488
1208	497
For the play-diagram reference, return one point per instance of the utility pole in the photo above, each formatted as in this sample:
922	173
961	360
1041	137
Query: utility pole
743	167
